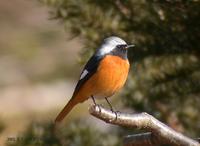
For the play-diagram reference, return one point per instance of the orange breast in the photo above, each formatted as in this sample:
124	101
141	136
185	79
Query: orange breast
109	78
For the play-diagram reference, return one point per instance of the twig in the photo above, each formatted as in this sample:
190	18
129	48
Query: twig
122	8
161	133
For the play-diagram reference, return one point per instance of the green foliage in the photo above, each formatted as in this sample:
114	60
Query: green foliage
76	133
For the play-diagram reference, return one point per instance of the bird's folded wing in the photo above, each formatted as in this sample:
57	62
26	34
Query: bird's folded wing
89	69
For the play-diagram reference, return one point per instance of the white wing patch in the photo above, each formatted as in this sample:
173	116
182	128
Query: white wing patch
85	72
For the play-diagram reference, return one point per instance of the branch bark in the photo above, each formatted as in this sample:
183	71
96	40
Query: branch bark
159	132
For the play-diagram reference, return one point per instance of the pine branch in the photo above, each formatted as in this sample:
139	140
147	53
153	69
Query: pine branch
160	133
122	8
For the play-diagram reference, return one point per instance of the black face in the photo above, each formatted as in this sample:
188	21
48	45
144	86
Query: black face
121	51
121	46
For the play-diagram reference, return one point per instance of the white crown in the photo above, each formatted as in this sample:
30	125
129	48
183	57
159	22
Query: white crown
113	40
109	44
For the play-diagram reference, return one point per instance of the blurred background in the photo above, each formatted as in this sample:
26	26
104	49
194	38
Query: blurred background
38	64
45	43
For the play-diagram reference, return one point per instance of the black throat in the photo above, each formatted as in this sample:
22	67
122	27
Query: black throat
120	52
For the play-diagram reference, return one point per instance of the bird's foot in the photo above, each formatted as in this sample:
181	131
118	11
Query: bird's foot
98	106
116	114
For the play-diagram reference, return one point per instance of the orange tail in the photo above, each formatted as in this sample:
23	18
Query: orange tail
65	110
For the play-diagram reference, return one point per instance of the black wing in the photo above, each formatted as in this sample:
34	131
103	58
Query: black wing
91	68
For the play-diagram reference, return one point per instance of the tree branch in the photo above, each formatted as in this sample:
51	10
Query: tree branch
122	8
160	133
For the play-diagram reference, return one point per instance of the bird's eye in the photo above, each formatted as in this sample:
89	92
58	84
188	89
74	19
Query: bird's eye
121	46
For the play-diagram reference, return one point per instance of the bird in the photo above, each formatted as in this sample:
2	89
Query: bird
104	74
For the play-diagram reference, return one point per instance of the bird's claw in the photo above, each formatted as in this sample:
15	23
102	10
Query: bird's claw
99	107
116	114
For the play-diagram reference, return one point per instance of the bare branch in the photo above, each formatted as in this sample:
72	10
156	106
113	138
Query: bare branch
161	133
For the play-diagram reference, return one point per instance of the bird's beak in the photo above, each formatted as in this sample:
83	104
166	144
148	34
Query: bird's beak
130	46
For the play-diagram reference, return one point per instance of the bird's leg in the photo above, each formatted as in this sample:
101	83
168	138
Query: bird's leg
111	108
95	103
93	100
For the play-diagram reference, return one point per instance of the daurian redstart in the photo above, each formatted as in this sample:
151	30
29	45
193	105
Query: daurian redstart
103	75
